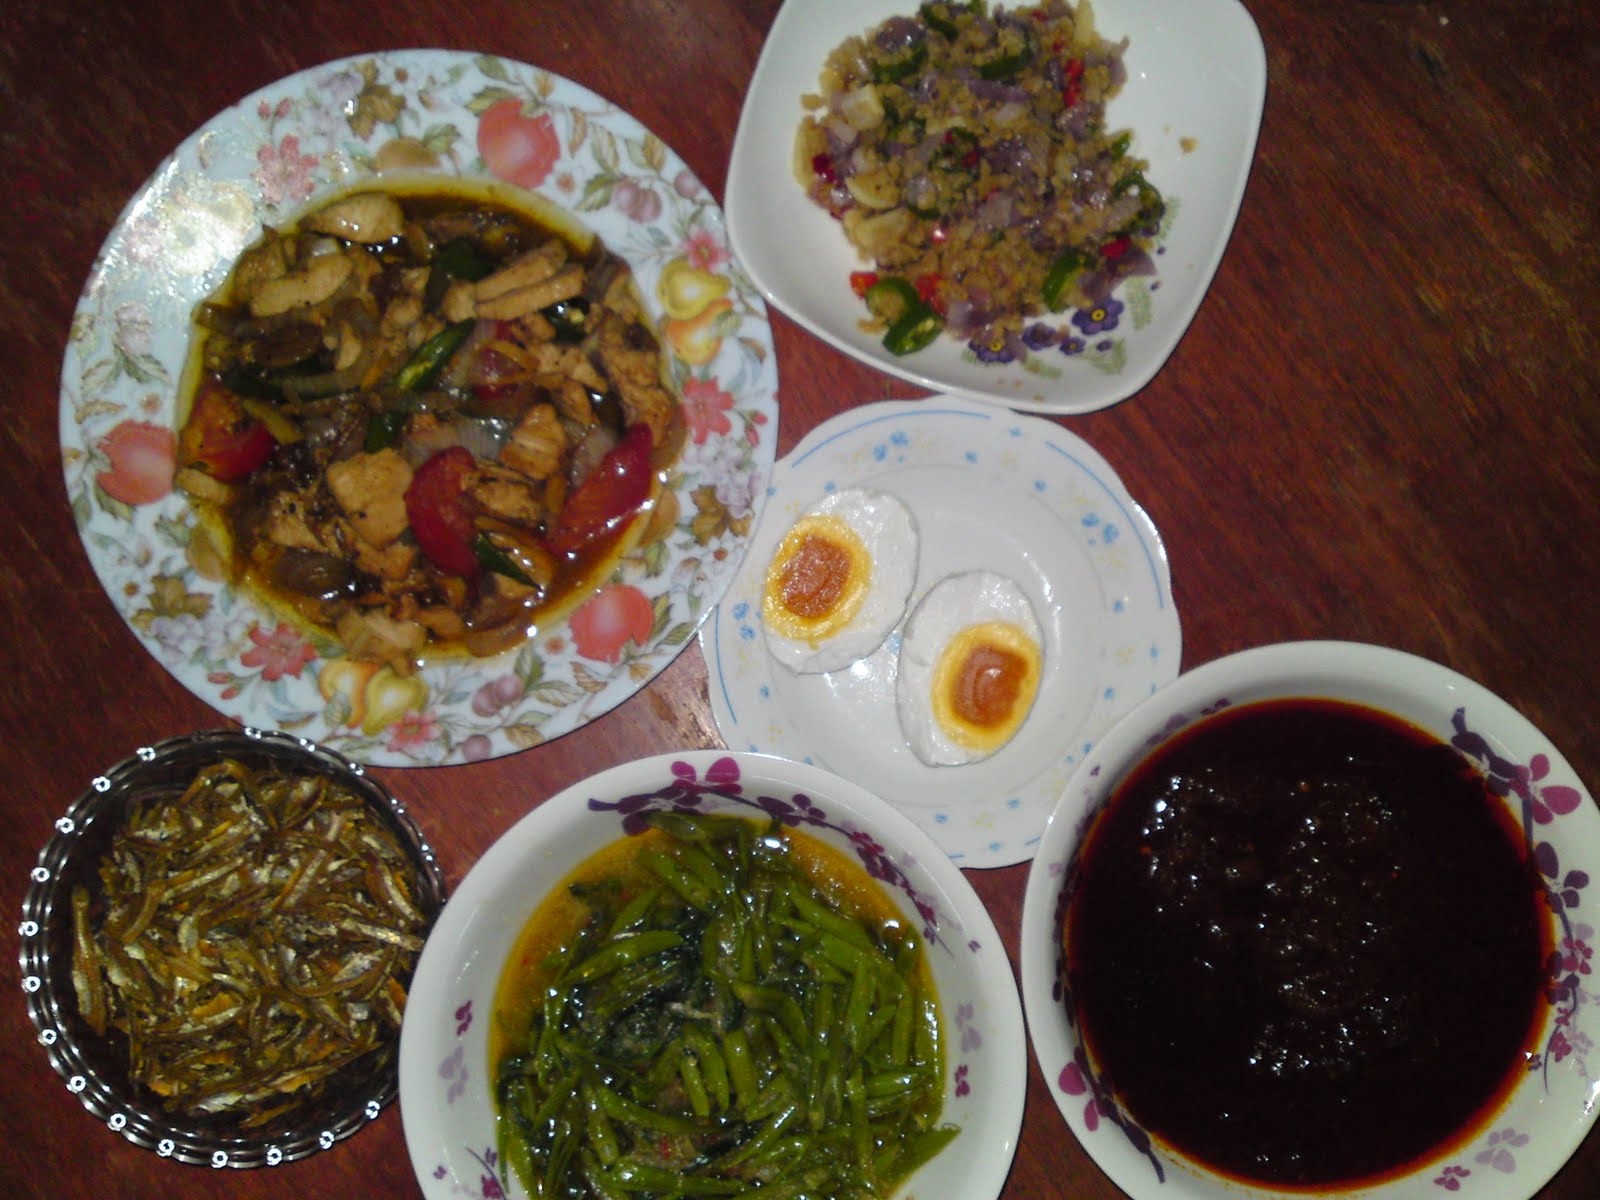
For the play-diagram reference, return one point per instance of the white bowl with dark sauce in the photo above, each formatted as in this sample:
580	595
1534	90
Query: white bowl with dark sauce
1311	919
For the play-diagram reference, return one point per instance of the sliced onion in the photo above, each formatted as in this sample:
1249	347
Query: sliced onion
483	436
995	211
898	33
427	439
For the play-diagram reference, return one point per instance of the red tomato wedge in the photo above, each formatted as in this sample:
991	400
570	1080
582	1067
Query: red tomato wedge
436	507
220	438
611	494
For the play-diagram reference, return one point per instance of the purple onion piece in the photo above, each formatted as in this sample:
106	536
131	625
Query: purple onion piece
898	33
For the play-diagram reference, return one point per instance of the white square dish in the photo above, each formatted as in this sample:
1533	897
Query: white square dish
1196	82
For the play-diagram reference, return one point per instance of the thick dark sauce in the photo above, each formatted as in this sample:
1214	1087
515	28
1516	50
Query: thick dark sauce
1306	946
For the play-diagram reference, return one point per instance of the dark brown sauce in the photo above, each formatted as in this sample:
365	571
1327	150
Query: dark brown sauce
1305	945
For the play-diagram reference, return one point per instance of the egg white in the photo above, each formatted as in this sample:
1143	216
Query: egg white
957	603
886	537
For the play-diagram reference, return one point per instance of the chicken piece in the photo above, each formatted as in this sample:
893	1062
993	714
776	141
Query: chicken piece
557	358
500	491
390	563
267	260
347	346
374	637
309	284
460	302
367	217
287	522
519	302
405	308
538	444
631	356
444	623
572	400
523	271
371	489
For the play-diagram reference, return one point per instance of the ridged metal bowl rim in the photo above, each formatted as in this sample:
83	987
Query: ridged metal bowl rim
87	1062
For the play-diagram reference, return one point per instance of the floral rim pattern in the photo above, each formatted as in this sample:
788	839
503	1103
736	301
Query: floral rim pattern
1538	801
977	1035
327	129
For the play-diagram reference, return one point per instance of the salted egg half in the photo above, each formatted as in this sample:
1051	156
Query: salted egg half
839	580
970	662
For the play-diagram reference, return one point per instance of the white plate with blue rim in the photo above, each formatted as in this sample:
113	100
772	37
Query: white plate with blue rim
989	490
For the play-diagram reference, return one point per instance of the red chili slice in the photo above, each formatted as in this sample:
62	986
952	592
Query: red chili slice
860	281
436	507
608	497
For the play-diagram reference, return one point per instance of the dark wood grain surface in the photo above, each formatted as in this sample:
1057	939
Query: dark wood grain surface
1383	424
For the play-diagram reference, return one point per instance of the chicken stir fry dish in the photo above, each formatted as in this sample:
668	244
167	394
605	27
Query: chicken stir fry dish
423	423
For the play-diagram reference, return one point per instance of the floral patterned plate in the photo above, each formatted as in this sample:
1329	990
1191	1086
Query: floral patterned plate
276	153
989	490
1548	1112
445	1099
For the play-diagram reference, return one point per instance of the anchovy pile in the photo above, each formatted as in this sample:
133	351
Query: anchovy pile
252	936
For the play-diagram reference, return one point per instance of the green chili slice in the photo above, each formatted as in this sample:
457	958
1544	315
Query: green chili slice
890	298
944	18
913	331
460	259
901	65
423	367
384	429
1017	51
1058	280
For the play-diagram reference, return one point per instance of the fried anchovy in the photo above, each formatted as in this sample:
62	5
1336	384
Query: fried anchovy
250	937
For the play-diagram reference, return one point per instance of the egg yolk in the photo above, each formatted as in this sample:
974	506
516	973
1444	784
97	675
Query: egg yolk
984	684
817	580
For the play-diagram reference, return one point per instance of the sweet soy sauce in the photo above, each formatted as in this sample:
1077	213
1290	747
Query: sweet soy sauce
1306	945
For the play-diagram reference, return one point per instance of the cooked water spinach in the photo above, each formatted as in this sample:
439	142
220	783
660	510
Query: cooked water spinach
719	1017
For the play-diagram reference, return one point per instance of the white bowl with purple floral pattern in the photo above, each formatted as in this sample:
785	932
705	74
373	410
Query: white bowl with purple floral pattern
445	1087
1545	1115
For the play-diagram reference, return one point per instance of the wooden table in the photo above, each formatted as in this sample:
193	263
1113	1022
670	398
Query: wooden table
1383	424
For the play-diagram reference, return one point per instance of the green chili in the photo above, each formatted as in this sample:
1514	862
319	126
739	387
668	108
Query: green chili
913	331
425	364
490	557
1058	280
943	18
459	259
384	429
890	297
901	65
1016	52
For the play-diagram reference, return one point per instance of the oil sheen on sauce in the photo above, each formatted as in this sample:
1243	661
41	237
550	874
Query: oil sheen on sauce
1306	946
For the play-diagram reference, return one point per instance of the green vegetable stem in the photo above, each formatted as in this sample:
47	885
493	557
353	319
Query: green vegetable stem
722	1025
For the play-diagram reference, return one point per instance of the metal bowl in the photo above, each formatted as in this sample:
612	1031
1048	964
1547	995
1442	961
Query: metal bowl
95	1067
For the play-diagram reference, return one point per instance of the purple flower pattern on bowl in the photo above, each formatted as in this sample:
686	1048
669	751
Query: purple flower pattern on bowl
687	793
984	1043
